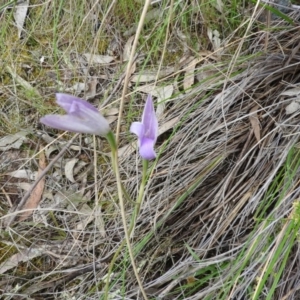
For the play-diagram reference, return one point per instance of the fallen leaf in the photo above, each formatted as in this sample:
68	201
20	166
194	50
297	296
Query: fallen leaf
99	221
292	108
87	216
78	169
146	75
20	13
13	141
127	48
92	87
36	195
208	70
83	65
127	52
111	119
214	37
73	167
162	93
253	117
160	109
24	186
292	92
183	38
23	174
77	87
112	112
98	59
49	150
22	256
168	125
69	169
219	5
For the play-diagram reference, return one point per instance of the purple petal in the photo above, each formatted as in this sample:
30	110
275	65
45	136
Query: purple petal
147	149
72	104
149	120
138	129
81	117
98	126
66	122
147	131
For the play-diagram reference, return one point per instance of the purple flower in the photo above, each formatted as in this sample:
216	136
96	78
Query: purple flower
81	116
146	131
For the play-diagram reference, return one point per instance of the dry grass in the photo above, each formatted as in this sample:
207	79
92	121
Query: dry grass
220	214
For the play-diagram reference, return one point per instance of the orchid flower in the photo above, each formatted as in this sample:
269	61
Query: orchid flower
146	131
81	117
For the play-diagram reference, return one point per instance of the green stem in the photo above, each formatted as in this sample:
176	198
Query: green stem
114	150
139	197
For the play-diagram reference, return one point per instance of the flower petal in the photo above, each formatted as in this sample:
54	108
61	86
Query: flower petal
149	120
81	117
67	102
92	119
75	124
147	130
147	149
138	129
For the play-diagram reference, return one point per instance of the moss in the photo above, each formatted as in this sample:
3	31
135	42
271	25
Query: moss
6	251
103	46
38	264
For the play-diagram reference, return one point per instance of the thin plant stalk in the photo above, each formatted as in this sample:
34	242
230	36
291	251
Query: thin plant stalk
129	65
139	197
112	141
97	202
132	225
